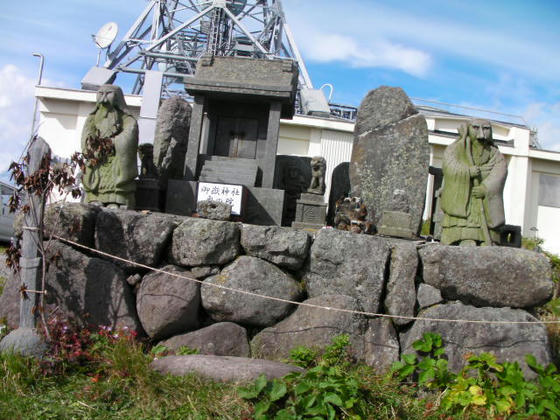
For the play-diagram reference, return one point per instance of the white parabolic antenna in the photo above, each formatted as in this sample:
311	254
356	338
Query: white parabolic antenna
106	35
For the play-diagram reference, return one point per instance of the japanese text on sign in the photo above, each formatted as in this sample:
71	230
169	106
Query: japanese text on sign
223	193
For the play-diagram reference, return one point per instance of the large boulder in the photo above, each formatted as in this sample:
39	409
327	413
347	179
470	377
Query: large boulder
221	339
134	236
509	342
400	297
253	275
222	368
24	341
372	341
343	263
205	242
168	304
488	276
89	290
390	155
72	221
284	247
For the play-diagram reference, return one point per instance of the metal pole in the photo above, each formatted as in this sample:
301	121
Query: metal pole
40	78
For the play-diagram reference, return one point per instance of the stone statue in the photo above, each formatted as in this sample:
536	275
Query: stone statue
146	156
474	174
318	169
110	143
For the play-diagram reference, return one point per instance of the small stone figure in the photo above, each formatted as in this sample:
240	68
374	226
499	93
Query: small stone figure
318	169
110	142
474	174
351	214
146	155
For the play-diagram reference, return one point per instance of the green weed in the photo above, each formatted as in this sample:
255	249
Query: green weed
484	386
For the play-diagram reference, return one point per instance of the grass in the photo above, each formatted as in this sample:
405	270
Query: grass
120	386
111	379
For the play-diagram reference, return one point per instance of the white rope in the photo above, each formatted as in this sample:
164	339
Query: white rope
306	304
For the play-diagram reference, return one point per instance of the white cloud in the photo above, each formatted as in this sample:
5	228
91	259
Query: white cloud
328	47
546	119
16	112
16	108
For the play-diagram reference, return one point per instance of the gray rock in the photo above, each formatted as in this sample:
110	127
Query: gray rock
312	327
24	341
222	368
381	345
138	237
284	247
221	339
509	342
134	279
214	210
401	287
168	305
253	275
171	137
9	301
73	221
205	242
372	341
201	272
428	296
381	107
342	263
390	153
89	290
488	276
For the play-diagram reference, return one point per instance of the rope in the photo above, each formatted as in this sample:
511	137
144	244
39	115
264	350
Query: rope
305	304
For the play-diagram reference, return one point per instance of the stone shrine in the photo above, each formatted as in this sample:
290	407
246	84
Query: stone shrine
233	137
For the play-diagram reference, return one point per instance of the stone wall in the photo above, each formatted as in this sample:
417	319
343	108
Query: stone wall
331	268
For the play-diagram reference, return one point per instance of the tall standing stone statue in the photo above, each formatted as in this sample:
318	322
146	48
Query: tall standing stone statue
474	174
110	142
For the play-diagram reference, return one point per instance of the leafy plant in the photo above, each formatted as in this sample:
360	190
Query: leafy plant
326	390
186	350
431	369
483	383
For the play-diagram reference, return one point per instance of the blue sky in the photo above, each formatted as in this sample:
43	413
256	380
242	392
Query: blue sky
501	55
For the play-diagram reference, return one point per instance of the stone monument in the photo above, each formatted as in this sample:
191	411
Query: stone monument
233	137
110	143
25	339
474	174
311	208
390	153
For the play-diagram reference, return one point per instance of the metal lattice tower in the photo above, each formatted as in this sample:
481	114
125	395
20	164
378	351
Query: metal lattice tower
171	35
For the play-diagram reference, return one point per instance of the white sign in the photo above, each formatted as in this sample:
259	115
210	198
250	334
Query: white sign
224	193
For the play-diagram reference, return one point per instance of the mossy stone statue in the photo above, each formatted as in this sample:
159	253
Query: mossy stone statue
109	144
474	174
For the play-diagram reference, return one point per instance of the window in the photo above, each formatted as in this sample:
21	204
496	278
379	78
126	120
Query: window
549	190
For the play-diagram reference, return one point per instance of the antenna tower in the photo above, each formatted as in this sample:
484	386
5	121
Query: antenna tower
171	35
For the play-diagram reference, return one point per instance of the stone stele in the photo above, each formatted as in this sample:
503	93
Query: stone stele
391	152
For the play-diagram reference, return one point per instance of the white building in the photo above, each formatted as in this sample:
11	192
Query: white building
532	191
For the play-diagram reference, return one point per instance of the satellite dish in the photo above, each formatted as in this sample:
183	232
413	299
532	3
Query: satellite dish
106	35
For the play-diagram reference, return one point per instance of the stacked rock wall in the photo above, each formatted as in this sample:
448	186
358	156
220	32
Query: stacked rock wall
192	301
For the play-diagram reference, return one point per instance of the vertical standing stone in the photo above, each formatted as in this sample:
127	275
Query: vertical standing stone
390	153
25	339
